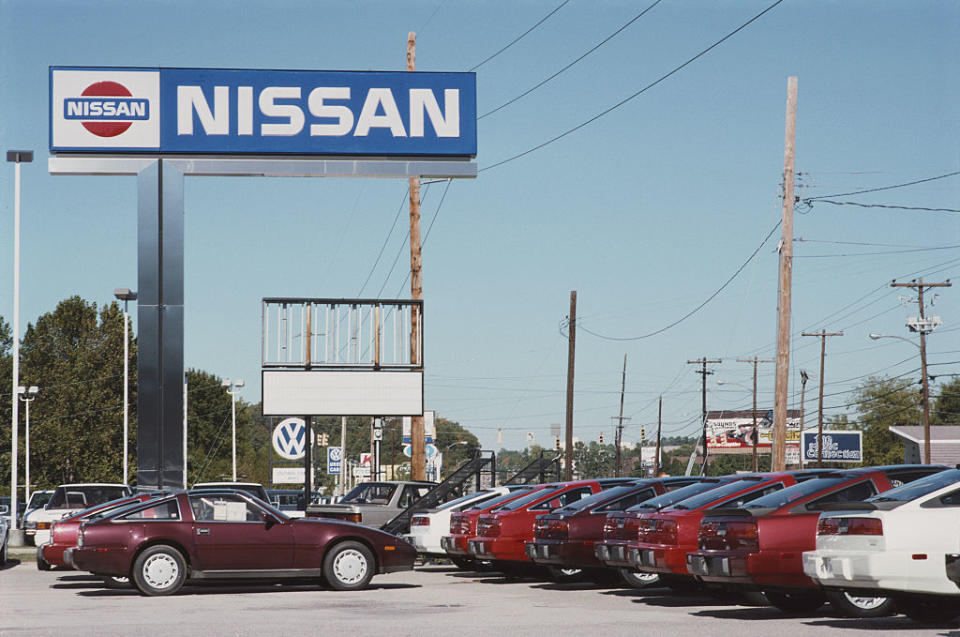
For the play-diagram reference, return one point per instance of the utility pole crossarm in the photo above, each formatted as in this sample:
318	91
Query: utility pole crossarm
822	334
756	434
704	373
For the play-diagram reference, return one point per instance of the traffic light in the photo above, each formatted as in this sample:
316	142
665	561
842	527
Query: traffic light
601	437
556	443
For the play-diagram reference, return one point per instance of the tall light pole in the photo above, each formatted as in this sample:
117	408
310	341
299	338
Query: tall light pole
125	295
17	157
925	392
232	388
27	395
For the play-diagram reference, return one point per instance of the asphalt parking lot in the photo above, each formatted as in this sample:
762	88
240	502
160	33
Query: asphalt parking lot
432	600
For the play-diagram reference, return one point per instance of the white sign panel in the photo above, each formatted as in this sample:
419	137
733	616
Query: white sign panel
289	438
288	475
333	460
342	393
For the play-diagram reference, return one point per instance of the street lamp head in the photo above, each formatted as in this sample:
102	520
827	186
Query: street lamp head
226	382
238	383
20	156
876	336
33	390
125	294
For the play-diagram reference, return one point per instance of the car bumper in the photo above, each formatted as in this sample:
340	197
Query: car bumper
509	549
53	554
455	544
885	570
763	570
660	559
562	552
99	561
41	536
613	554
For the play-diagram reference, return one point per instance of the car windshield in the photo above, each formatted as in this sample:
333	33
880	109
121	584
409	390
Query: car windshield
370	493
800	491
82	496
673	497
919	488
713	495
519	503
501	499
598	498
39	499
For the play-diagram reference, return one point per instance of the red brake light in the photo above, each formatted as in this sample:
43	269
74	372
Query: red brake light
850	526
420	520
742	535
550	529
657	530
488	527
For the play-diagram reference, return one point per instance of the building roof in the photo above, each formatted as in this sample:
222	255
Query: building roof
944	442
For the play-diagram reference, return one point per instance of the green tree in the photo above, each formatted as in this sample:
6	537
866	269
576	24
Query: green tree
883	403
6	372
946	407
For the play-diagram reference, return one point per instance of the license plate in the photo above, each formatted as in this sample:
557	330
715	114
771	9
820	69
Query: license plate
617	553
825	567
697	564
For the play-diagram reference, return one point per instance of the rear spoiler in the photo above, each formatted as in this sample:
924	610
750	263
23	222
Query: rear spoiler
727	512
849	506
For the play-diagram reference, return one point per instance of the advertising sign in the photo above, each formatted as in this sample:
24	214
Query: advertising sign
289	438
734	429
333	460
838	446
262	112
288	475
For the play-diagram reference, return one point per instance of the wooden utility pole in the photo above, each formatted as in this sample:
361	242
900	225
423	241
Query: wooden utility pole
924	328
804	377
418	458
571	348
656	458
619	437
756	434
822	334
704	373
778	460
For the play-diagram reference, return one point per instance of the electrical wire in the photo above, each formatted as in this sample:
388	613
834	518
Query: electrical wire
877	205
643	90
571	64
521	36
376	262
894	186
696	309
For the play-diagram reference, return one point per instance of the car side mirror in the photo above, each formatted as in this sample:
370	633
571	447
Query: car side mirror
269	521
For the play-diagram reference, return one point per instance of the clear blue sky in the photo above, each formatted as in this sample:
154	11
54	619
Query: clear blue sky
645	212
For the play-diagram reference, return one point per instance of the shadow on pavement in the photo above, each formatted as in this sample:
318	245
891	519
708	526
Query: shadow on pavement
897	622
11	562
759	613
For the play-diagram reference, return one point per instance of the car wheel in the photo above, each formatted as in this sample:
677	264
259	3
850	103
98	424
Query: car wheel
796	602
159	570
930	611
464	563
5	555
348	566
638	580
42	564
113	581
860	606
560	574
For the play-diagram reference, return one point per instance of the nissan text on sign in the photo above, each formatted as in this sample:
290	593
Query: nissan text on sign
259	112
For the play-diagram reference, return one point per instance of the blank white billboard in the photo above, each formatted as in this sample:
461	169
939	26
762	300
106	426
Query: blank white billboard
342	393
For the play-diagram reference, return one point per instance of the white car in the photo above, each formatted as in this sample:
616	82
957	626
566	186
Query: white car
895	544
38	499
68	499
428	527
4	525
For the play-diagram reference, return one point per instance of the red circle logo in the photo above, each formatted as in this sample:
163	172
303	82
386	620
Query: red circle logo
106	89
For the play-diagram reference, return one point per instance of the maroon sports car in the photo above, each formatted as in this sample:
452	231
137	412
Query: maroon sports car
164	543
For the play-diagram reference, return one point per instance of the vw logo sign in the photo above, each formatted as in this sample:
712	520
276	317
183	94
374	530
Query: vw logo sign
289	438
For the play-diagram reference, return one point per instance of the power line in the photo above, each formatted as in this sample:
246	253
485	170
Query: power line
809	202
426	236
696	309
637	93
568	66
385	241
520	37
903	185
871	254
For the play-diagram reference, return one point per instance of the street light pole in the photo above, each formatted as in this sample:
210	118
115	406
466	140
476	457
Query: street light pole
27	396
125	295
232	390
17	157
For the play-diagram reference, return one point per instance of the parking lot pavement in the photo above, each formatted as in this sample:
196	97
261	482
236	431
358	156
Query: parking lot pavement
433	600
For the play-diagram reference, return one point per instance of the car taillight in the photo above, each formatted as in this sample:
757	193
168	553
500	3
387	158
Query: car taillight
420	520
609	527
550	529
488	527
741	535
657	530
455	522
43	525
850	526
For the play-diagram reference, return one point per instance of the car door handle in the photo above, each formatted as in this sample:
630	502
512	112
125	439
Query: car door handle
203	531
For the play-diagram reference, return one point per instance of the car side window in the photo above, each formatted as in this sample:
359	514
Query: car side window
853	493
224	508
563	499
162	512
750	497
411	494
951	499
625	503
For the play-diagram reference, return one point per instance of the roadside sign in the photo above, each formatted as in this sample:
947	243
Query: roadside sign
838	446
289	438
333	460
288	475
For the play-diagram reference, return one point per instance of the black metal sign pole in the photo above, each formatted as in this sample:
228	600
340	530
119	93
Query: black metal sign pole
307	461
160	322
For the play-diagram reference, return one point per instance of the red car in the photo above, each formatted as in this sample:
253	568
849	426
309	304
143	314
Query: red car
463	526
565	538
166	542
760	546
666	536
502	534
63	533
621	529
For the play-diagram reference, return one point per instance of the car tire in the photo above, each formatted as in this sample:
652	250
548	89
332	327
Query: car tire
633	579
42	564
348	566
464	563
796	602
930	612
858	606
159	570
116	582
560	574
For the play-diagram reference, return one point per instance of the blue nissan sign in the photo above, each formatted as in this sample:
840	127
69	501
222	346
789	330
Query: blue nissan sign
260	112
838	446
